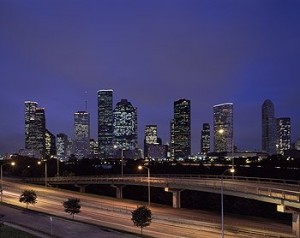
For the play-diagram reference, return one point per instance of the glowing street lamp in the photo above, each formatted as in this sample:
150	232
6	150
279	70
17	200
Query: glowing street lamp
221	132
122	159
12	164
231	170
46	170
140	168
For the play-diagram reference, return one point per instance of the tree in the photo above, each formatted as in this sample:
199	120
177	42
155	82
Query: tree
28	197
72	206
141	217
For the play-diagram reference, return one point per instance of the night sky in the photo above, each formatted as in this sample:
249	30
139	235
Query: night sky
151	53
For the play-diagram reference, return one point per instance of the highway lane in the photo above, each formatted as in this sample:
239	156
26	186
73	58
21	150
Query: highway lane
272	190
167	222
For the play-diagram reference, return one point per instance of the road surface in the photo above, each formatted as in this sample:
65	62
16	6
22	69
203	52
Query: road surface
167	222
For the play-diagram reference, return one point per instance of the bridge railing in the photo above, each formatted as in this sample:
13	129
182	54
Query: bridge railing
190	176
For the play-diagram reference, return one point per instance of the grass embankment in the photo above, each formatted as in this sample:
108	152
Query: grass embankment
9	232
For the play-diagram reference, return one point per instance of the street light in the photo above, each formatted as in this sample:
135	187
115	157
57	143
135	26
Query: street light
221	132
140	168
122	159
231	170
12	164
57	166
46	171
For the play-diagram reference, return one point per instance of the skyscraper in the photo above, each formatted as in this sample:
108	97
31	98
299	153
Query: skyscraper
171	146
223	127
105	123
35	128
283	134
268	127
125	126
81	142
30	108
182	129
205	138
150	137
50	143
40	130
62	146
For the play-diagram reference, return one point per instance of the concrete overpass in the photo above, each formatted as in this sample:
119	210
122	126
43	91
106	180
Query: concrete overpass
284	193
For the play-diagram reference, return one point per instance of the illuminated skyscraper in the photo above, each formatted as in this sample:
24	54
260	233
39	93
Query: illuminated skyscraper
125	126
182	129
81	142
171	146
35	128
30	109
283	134
50	144
105	123
268	127
205	138
223	127
62	146
150	137
40	130
94	149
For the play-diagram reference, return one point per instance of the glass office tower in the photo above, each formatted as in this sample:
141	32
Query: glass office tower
223	127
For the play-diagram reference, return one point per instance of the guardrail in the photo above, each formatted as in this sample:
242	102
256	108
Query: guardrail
249	179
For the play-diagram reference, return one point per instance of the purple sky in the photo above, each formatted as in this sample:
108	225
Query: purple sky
151	53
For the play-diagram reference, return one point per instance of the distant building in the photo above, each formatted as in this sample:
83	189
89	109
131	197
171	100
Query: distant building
94	152
62	146
157	151
30	109
171	146
50	143
81	141
205	138
150	137
297	145
268	127
223	127
35	128
182	129
283	134
125	127
105	123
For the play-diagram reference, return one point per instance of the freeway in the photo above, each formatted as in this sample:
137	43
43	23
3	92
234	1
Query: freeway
280	192
167	222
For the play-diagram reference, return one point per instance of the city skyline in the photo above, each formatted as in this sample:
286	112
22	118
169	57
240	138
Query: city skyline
151	53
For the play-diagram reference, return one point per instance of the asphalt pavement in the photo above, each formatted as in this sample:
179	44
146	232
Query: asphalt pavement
45	226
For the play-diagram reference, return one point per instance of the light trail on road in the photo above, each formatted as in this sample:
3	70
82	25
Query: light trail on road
167	222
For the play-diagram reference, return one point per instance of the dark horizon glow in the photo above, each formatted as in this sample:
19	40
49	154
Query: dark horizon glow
152	53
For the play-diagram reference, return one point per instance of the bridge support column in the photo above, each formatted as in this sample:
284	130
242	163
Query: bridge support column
119	190
296	224
81	187
176	198
295	218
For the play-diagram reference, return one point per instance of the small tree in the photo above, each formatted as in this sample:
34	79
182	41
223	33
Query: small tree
141	217
28	197
72	206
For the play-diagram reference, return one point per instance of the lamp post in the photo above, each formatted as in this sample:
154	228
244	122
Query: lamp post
141	167
12	164
222	203
46	171
222	132
122	159
57	166
122	162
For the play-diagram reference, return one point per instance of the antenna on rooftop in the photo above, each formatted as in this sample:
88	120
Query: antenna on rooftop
86	102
